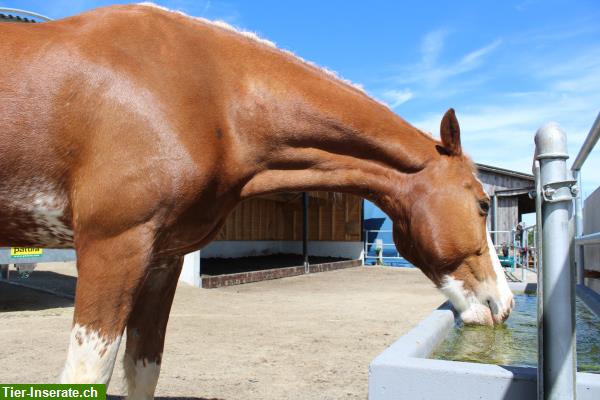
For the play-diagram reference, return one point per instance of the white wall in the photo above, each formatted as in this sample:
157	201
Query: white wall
190	272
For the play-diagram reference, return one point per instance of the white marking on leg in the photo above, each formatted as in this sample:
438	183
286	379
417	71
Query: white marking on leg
91	357
142	377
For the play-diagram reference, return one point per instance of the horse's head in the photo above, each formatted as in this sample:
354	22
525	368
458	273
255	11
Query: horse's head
442	230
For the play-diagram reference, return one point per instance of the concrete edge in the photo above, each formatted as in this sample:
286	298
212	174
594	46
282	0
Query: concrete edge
404	371
523	287
420	341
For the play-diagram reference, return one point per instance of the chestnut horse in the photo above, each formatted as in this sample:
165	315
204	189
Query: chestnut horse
130	132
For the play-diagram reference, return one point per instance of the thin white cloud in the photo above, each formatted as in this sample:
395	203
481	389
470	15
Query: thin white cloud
432	45
474	58
395	97
429	72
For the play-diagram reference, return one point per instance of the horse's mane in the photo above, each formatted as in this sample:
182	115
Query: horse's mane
254	37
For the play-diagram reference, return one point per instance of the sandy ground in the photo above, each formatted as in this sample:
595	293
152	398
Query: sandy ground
306	337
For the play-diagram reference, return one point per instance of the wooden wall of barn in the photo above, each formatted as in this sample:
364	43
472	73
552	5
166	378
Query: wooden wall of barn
495	181
508	213
507	207
335	217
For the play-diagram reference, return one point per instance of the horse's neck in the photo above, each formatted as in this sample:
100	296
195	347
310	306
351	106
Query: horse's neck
320	134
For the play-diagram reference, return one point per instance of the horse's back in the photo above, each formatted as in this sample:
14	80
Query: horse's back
90	122
51	112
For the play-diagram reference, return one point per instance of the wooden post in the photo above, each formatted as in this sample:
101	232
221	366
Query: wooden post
305	230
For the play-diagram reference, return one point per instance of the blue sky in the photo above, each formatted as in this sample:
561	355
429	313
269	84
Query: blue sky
507	67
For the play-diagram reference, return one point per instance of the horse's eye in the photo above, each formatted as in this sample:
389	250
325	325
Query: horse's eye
484	206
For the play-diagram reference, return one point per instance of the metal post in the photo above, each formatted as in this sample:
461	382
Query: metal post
4	272
305	231
513	234
540	274
495	219
579	258
556	358
524	259
535	241
365	248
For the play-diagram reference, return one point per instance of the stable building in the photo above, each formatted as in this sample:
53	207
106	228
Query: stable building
509	192
268	237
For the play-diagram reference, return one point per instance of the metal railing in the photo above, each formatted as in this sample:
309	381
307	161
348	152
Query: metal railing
24	12
581	240
521	253
508	239
378	242
530	250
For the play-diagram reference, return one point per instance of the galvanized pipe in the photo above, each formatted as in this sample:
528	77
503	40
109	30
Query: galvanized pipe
578	216
540	274
592	238
556	360
588	145
525	258
24	12
495	218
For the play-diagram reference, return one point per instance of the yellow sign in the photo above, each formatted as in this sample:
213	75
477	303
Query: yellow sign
20	252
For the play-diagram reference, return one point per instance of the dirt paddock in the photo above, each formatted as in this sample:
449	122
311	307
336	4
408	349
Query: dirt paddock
305	337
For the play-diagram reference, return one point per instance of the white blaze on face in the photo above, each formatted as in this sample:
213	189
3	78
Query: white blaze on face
492	300
470	308
91	357
505	294
142	376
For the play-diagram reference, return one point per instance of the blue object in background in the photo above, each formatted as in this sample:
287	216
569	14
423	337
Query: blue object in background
377	220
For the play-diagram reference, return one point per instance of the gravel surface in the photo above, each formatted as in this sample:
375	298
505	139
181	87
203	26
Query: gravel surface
305	337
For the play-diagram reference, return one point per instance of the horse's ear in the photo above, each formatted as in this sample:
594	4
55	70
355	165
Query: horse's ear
450	133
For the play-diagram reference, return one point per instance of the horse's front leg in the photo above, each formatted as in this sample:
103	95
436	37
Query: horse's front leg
111	271
146	328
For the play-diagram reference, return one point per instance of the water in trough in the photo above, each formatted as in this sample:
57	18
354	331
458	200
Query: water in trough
515	342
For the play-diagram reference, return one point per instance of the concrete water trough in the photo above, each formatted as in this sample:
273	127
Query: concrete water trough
405	371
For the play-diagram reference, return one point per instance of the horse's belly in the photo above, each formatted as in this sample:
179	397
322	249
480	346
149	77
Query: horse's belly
34	215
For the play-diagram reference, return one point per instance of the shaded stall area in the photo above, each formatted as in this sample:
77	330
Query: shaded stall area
282	235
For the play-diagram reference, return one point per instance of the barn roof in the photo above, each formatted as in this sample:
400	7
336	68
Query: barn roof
503	171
